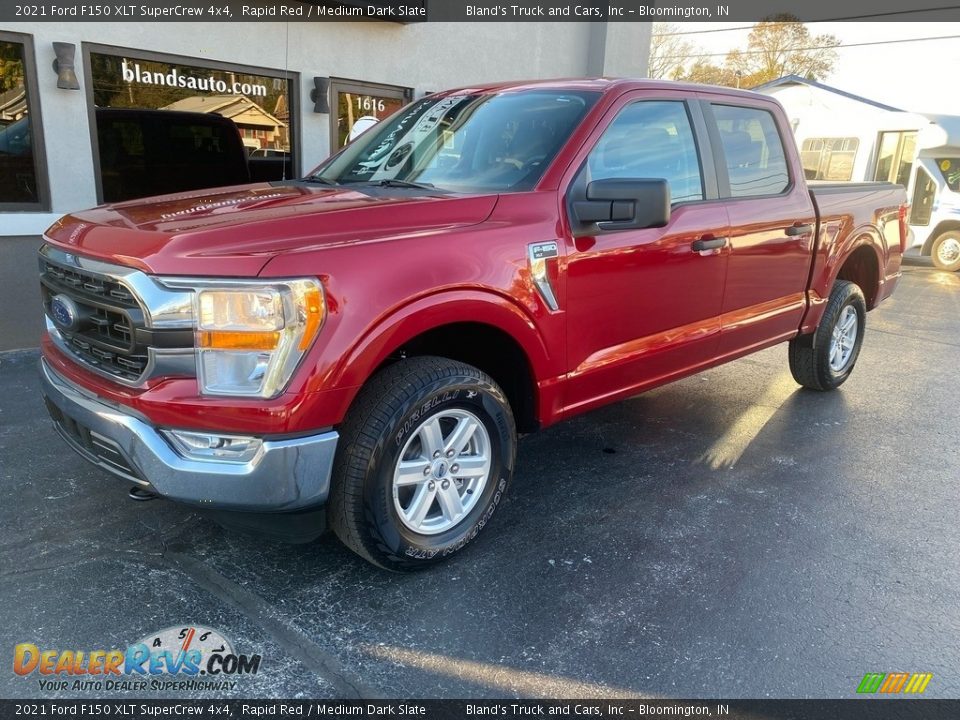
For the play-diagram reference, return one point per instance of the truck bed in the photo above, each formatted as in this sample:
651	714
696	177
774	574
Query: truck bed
847	213
821	187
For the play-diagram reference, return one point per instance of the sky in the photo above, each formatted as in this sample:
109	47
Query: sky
915	76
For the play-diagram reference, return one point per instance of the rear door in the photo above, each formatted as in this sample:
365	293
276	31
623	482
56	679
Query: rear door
644	305
772	222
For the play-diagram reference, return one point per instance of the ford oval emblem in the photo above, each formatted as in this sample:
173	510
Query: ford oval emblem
64	312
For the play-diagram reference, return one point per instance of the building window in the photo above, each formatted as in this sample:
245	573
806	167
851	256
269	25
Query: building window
829	158
895	155
199	125
22	173
361	105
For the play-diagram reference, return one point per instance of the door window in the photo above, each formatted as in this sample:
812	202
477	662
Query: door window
924	191
651	139
755	159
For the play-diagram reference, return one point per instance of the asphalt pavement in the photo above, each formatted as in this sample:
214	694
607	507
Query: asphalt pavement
728	535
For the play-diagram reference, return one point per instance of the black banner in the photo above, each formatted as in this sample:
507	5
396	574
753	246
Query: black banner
861	709
409	11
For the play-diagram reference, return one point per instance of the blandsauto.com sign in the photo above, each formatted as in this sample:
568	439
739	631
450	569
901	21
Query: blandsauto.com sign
133	73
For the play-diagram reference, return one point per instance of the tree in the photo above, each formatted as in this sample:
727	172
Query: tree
782	45
668	52
707	73
11	66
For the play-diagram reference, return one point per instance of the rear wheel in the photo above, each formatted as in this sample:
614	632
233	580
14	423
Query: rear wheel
945	251
824	359
426	454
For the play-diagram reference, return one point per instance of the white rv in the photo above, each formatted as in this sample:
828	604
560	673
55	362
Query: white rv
844	137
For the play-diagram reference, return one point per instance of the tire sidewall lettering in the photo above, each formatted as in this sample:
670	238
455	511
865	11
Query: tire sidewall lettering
423	411
481	399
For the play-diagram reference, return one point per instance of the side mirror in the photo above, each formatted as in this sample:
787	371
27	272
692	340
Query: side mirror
622	204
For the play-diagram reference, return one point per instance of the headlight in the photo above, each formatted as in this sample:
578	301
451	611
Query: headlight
250	338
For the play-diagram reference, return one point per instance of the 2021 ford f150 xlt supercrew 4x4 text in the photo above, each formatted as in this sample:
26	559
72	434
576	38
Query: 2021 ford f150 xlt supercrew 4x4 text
370	340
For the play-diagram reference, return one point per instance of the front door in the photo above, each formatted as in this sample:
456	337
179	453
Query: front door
644	305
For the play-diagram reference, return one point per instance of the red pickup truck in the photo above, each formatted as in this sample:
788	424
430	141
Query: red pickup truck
364	345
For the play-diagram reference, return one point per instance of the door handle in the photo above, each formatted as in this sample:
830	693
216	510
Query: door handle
711	243
795	230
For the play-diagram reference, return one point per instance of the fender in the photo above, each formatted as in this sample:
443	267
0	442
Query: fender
827	267
425	313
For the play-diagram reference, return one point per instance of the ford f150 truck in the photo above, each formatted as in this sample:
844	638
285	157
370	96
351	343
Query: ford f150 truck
364	345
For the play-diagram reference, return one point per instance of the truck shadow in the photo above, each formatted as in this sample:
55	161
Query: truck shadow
615	522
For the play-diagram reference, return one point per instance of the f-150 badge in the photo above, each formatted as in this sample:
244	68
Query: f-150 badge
537	256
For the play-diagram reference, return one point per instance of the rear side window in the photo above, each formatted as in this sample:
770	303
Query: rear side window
651	139
123	159
147	153
755	159
206	142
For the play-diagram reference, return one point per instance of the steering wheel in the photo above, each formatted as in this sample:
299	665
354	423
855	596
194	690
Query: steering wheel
525	164
532	162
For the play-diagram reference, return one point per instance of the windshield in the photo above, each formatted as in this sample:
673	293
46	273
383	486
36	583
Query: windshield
464	143
950	169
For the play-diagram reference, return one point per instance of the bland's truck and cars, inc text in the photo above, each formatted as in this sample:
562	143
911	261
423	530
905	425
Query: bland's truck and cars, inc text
363	346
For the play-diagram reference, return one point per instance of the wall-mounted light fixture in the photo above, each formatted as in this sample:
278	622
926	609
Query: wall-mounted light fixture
321	103
64	66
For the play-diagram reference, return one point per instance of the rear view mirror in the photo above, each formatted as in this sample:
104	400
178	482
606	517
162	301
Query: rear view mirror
622	204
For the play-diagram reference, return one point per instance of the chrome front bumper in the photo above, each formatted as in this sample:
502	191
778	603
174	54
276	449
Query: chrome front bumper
286	475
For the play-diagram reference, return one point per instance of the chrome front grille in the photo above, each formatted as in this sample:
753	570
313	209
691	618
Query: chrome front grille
128	367
88	284
96	314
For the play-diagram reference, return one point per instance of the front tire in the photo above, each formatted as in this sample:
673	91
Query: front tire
824	359
945	251
425	456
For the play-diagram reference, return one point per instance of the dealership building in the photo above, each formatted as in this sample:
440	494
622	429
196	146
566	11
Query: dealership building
294	90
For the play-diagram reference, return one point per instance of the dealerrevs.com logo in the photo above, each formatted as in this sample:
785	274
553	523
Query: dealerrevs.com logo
909	683
176	658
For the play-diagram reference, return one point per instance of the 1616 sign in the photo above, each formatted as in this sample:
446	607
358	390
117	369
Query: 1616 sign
368	103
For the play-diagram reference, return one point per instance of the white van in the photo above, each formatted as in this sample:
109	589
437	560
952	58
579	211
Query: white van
925	159
934	192
844	137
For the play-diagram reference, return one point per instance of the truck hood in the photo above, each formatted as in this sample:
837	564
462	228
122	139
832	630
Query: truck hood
235	231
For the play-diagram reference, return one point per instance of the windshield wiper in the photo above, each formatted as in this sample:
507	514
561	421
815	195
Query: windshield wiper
393	182
320	180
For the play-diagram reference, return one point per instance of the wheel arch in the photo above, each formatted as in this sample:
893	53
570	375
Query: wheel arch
479	328
942	227
859	259
861	265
